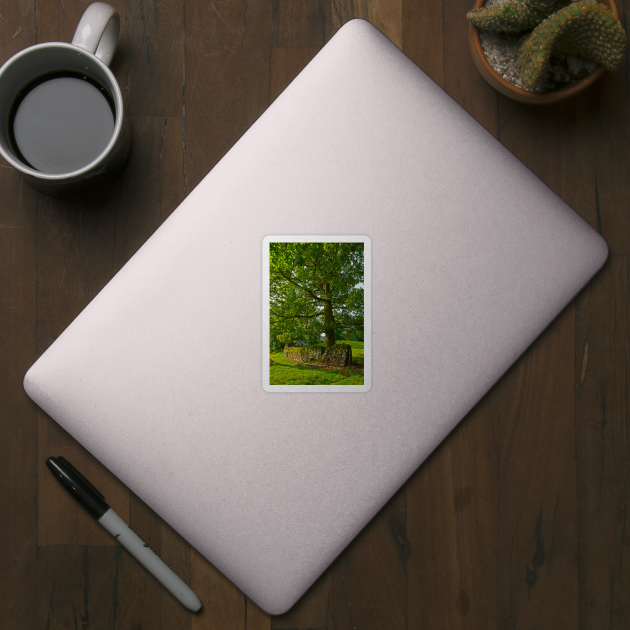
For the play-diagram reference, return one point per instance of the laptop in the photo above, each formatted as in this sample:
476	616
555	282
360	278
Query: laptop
175	375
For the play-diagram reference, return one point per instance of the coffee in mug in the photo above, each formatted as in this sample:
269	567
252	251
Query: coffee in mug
61	122
65	128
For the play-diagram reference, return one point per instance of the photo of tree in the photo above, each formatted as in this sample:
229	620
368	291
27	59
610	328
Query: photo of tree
316	313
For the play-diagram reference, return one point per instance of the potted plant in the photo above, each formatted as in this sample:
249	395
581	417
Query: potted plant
557	49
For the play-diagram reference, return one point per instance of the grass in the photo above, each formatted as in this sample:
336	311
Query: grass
285	372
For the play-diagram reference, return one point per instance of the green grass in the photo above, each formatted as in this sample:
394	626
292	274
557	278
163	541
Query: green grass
285	372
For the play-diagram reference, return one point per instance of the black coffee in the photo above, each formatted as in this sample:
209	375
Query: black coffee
61	123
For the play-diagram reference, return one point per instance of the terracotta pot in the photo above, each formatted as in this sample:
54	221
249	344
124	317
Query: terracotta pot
518	94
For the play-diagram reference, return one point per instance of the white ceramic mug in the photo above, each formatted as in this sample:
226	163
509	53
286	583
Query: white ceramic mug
88	57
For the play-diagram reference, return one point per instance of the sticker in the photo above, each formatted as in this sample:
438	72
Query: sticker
316	313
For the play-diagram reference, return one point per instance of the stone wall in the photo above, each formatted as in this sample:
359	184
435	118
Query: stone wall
339	355
299	354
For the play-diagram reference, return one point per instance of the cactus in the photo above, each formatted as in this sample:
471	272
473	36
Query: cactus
513	16
584	29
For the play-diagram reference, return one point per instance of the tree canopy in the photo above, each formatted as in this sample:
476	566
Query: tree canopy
314	288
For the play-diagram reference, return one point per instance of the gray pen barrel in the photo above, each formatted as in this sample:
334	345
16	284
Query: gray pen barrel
149	559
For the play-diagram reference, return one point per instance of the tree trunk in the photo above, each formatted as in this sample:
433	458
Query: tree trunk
329	318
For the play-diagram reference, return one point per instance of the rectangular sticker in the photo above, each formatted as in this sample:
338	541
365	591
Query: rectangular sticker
316	313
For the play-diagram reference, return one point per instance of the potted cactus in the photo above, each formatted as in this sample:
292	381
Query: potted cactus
558	49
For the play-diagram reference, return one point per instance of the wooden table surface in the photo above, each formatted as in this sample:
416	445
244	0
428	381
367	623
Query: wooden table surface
518	520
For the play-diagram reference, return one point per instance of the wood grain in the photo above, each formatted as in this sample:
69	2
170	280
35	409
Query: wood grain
517	520
151	605
461	79
386	15
537	510
452	515
573	149
154	57
61	521
285	64
422	36
602	380
313	609
18	416
368	588
609	134
76	587
151	187
226	78
57	22
300	22
224	606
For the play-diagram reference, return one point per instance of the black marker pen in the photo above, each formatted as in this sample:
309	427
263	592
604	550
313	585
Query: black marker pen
94	502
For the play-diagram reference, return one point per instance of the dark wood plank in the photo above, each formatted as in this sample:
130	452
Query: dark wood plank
255	618
563	147
578	148
152	185
603	443
386	15
226	78
461	78
18	415
57	23
143	601
171	159
422	36
17	28
369	577
570	146
60	519
575	149
285	64
537	537
224	606
558	147
300	22
76	587
452	527
74	246
154	57
313	610
18	422
608	126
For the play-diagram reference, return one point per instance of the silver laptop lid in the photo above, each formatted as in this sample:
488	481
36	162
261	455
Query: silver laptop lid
162	376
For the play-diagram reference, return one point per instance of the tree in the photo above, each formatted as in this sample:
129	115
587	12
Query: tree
314	288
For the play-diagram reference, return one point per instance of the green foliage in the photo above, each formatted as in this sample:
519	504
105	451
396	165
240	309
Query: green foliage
513	16
314	288
584	29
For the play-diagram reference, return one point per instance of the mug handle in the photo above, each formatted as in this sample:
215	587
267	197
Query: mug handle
98	30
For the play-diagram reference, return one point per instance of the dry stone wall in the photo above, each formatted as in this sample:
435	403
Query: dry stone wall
339	355
300	354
